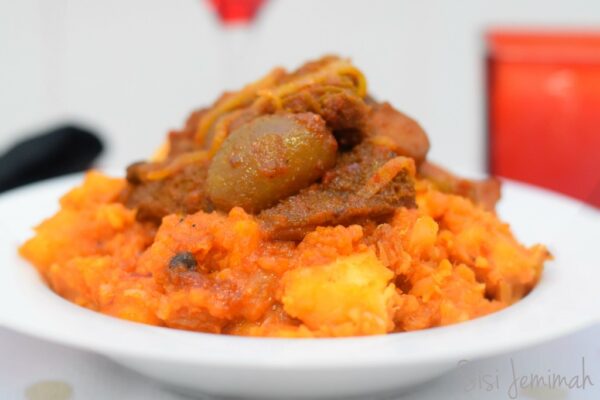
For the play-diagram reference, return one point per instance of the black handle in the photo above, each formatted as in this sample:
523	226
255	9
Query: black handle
59	151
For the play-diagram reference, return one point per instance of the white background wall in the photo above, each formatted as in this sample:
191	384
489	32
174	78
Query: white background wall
135	68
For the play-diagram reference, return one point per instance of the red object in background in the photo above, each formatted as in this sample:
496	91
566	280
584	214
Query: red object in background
544	110
236	11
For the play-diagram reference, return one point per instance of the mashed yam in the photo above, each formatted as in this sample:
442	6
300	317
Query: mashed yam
444	262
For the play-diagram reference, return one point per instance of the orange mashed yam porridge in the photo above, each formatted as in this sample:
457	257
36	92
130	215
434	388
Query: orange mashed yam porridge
356	233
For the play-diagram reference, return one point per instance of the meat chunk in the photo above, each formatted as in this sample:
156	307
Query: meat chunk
485	193
341	109
182	141
179	193
358	189
399	131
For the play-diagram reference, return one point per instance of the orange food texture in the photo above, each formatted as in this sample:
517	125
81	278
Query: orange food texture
445	262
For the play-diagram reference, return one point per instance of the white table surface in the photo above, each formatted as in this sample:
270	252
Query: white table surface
27	363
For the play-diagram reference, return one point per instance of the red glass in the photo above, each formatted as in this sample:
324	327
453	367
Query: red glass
236	11
544	110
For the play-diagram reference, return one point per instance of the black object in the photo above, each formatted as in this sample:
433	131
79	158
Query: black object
63	150
183	259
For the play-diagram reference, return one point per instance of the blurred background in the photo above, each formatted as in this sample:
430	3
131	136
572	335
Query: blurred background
510	87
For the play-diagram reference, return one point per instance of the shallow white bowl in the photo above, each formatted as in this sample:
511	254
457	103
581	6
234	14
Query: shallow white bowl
565	300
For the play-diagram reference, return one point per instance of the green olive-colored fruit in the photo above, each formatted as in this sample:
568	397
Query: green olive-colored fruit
268	159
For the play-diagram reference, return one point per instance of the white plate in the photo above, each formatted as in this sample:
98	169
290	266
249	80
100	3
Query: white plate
565	300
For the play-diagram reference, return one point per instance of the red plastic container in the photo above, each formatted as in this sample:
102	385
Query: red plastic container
544	110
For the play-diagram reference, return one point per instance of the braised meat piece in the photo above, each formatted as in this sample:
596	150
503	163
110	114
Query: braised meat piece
182	141
179	193
398	131
485	192
368	183
341	109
